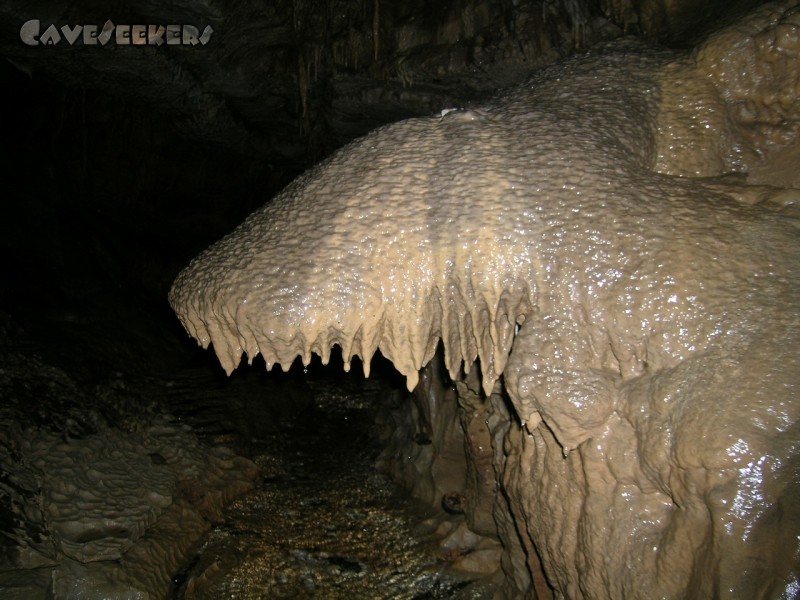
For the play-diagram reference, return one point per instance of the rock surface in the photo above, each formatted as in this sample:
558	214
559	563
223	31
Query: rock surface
102	496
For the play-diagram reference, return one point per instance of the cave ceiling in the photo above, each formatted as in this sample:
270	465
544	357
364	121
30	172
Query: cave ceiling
291	80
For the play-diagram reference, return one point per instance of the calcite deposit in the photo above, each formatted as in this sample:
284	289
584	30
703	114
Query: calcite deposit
615	241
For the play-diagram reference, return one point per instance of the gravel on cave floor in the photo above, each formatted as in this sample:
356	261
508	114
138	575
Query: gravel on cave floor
322	523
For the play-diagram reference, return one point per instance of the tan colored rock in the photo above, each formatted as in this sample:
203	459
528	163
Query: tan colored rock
584	238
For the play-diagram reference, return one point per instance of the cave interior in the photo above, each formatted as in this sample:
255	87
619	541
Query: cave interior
122	162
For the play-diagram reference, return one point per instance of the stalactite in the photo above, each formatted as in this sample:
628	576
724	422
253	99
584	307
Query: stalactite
376	28
578	15
621	12
317	54
303	85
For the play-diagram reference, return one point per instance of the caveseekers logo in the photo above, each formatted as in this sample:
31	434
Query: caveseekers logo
123	35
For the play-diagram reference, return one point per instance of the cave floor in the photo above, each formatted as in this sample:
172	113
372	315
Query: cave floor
321	523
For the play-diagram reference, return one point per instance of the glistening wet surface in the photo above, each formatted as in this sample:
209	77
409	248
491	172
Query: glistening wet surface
321	522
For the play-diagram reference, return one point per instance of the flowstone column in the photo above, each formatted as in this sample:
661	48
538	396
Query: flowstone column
492	435
423	437
482	484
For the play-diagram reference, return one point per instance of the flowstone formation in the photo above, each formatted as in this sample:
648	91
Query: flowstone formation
615	243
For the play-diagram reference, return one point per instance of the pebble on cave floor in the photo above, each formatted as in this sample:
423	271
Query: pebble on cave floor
323	524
